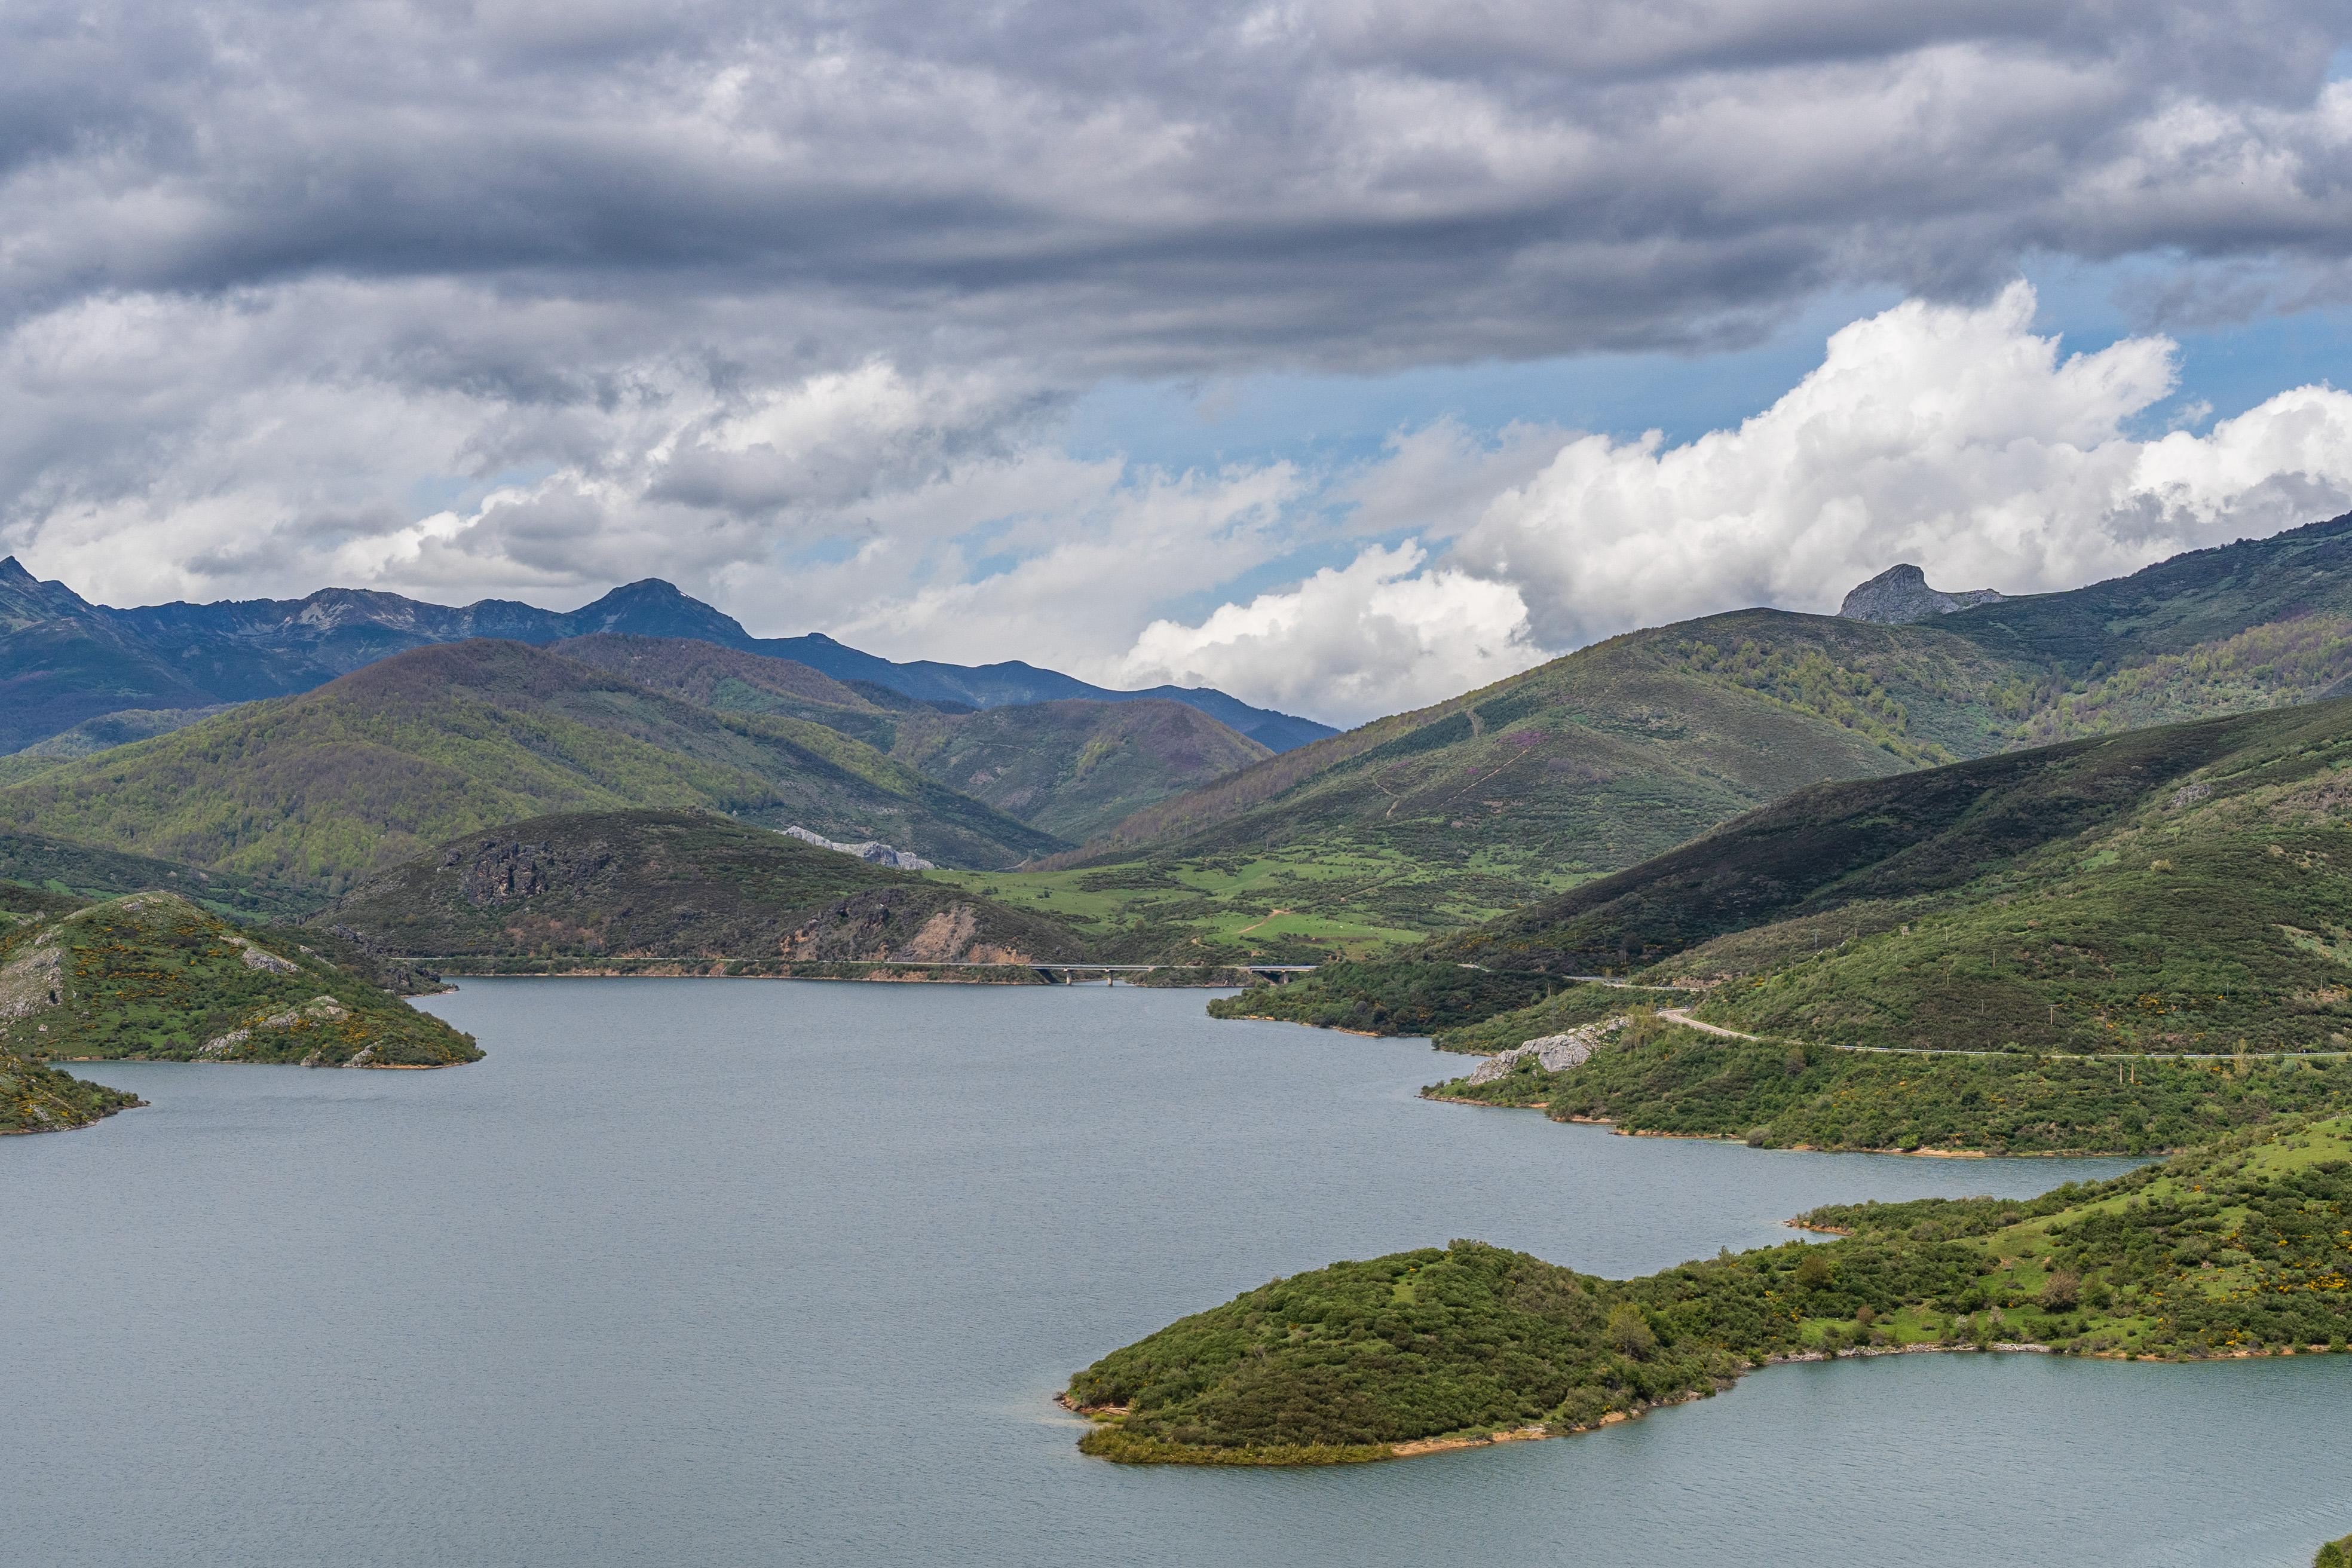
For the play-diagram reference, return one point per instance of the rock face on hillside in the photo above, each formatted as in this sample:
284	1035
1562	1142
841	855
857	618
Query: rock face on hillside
1553	1052
1900	594
674	886
872	851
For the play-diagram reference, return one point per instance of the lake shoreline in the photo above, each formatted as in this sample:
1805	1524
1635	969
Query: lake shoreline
1801	1148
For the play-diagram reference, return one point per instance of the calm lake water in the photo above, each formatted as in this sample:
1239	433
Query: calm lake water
710	1272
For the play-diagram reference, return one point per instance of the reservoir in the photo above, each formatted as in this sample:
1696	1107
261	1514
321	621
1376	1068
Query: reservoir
714	1272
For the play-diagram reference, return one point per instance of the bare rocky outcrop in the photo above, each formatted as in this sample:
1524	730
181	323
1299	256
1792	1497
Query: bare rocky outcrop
1900	594
33	980
501	871
895	923
1554	1053
259	957
872	851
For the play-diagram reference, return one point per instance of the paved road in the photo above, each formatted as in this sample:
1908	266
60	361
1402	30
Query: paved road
1682	1016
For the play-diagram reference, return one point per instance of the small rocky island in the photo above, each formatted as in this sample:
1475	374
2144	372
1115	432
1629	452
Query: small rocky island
2237	1249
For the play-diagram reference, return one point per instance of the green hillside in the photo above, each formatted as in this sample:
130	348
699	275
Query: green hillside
73	873
1070	768
154	977
674	885
1443	817
2171	891
1073	768
1655	1077
377	765
2238	1250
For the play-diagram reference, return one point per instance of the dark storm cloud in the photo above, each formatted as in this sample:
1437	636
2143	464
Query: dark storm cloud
1164	186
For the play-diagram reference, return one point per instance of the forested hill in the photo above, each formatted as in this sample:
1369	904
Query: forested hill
445	739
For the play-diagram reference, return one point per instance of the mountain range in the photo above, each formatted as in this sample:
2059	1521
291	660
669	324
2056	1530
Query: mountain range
1146	824
64	660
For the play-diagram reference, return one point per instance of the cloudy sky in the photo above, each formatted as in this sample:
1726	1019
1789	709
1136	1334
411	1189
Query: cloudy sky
1343	354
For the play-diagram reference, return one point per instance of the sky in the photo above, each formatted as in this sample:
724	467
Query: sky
1341	353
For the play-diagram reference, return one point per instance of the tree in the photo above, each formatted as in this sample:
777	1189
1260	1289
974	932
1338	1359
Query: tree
1630	1332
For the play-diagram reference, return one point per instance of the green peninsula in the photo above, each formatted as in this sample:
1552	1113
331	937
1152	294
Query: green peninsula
38	1098
2242	1248
154	977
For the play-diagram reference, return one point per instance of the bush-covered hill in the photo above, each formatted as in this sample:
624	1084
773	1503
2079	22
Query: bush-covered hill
1779	1094
413	749
38	1098
1071	768
653	885
2240	1247
1389	997
1606	756
153	976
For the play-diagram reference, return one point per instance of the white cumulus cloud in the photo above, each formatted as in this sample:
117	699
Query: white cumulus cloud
1382	634
1956	438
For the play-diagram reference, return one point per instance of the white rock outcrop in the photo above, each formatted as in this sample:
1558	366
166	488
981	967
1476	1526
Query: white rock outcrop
1553	1052
874	852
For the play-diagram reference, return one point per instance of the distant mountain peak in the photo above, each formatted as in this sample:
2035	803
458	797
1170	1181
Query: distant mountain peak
12	570
1900	594
653	607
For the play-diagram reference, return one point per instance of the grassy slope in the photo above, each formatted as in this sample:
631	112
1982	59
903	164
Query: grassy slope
1070	768
1621	750
1074	768
646	884
448	739
1346	1362
2162	892
1876	844
153	976
1603	757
